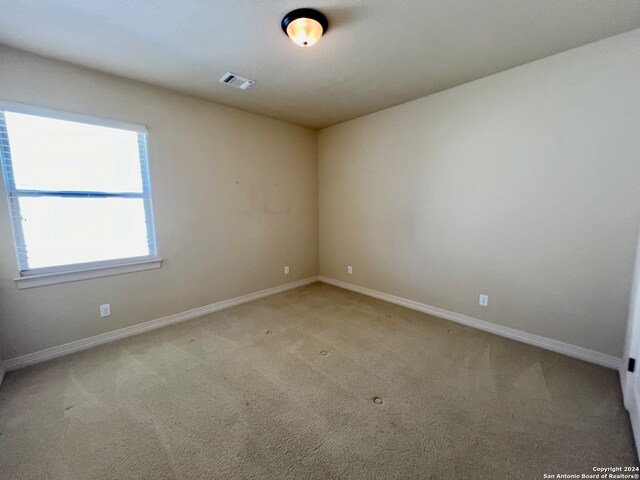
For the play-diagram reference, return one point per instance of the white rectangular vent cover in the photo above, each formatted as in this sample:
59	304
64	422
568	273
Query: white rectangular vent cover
236	81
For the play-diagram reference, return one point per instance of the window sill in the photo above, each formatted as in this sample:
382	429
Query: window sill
32	281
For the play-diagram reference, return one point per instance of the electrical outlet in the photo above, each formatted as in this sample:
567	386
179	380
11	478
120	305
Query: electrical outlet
349	269
286	270
484	300
105	310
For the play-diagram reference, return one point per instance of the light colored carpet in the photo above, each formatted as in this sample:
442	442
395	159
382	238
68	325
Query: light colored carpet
248	393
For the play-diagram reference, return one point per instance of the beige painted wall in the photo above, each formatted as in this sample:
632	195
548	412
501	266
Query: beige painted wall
524	185
234	196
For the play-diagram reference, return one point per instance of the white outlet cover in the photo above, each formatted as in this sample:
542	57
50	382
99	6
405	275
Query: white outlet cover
484	300
286	270
105	310
349	269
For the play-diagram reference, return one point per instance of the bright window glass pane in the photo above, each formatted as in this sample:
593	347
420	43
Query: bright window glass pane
52	154
62	230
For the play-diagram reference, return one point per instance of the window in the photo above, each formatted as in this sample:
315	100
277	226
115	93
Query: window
79	194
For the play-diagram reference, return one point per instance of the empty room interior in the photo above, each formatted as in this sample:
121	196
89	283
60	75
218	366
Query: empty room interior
358	239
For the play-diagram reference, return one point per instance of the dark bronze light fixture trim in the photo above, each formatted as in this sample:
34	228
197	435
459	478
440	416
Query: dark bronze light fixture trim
305	13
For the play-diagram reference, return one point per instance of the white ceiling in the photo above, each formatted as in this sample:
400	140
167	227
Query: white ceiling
376	53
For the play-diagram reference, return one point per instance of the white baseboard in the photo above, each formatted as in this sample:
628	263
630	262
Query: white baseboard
78	345
529	338
524	337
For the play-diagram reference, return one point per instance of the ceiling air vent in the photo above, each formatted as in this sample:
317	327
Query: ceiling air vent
236	81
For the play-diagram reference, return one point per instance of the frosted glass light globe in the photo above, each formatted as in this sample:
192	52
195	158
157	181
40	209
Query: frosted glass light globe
304	32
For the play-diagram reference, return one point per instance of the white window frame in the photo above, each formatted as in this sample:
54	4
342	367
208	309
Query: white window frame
35	277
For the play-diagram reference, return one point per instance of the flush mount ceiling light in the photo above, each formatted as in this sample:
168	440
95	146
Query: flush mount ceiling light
304	26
